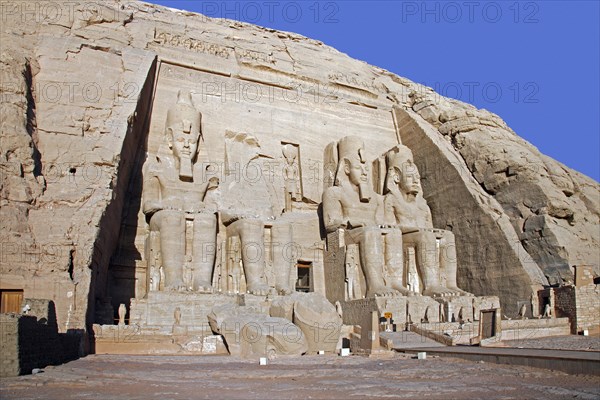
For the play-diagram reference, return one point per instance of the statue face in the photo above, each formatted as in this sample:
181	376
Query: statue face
289	154
410	180
356	171
184	142
290	160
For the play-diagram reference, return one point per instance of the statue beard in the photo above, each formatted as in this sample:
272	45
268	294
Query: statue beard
413	193
185	168
363	192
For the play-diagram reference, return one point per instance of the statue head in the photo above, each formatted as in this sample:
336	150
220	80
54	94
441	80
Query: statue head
402	171
289	152
353	164
182	131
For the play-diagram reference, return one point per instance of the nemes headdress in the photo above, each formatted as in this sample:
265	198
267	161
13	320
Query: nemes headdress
183	116
348	147
351	145
399	158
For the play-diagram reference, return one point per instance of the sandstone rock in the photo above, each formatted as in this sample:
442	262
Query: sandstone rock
248	333
84	104
314	315
527	184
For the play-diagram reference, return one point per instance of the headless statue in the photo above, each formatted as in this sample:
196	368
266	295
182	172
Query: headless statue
245	208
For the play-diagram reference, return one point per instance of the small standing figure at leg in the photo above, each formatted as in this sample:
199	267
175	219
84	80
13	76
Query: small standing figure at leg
122	313
290	176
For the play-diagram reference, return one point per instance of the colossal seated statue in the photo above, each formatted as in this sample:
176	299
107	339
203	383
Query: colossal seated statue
406	208
245	208
174	201
351	204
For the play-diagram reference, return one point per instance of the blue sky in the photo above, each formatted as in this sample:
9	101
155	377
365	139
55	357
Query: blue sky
534	63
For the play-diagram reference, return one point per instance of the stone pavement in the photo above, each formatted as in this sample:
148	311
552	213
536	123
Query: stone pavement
311	377
409	340
570	342
571	354
569	361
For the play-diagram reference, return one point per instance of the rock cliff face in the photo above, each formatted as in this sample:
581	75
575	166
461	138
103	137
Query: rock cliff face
553	209
84	94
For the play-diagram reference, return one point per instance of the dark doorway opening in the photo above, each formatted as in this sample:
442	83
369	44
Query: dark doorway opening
304	283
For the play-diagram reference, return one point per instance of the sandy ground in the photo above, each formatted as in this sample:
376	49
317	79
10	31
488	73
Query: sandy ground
310	377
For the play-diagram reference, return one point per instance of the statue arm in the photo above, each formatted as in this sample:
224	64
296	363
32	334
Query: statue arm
380	214
389	212
394	215
151	195
333	216
427	214
211	184
429	219
200	202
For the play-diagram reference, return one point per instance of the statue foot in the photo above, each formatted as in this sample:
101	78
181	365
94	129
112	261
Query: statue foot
459	291
258	289
439	291
283	291
403	291
381	292
204	289
178	287
202	286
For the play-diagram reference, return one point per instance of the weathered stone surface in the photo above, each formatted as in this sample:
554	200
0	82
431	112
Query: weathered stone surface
86	102
316	317
553	210
157	311
250	333
491	258
32	341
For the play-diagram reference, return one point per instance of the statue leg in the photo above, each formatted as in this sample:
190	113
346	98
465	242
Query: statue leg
204	251
283	260
448	263
251	233
394	260
288	201
171	225
371	259
154	263
427	261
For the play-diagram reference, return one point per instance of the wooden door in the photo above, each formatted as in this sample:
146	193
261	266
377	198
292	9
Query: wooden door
10	301
488	319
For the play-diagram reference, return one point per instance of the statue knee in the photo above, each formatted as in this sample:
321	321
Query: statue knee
205	223
448	237
370	237
171	219
250	225
429	237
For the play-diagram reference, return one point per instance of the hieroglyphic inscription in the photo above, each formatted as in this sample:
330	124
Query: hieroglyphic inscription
252	55
355	310
345	79
200	46
335	255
